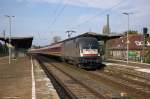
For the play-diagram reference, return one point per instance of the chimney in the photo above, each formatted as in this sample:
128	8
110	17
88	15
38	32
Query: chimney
108	29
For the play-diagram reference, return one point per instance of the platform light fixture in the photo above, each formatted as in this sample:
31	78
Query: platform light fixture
128	14
10	18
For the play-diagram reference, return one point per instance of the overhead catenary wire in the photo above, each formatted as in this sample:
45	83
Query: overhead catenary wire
58	7
96	15
59	13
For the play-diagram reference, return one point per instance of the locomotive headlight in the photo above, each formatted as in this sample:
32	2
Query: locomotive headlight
81	54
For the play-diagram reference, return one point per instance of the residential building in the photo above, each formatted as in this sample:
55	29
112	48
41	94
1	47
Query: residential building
139	47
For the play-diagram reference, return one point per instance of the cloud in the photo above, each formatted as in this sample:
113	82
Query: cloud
83	3
84	18
140	8
103	4
91	18
139	18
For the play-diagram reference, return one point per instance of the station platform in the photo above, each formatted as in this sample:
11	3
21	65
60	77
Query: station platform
138	66
24	79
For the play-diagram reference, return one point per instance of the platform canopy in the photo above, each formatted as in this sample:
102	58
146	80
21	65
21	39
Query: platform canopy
19	42
99	37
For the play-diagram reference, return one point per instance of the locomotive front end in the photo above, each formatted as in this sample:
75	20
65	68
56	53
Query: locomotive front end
89	53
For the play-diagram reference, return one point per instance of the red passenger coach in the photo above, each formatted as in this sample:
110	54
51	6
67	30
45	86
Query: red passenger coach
56	49
53	50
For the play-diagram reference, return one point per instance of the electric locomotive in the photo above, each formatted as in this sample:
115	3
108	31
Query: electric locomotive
83	52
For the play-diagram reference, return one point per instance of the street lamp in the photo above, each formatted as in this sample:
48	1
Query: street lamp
9	17
128	14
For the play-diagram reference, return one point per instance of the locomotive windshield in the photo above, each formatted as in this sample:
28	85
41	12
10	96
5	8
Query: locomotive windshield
89	43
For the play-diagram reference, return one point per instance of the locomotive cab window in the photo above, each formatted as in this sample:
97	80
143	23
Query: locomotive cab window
89	44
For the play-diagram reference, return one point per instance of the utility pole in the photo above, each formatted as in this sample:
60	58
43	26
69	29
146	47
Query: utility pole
145	36
70	32
4	34
128	14
9	17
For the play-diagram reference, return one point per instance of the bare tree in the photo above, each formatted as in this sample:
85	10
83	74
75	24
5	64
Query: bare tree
56	39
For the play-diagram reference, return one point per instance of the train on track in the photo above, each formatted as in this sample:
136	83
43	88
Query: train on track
83	52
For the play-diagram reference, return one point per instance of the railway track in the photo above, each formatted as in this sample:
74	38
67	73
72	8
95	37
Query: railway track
130	75
79	85
73	87
133	64
79	89
134	90
136	81
107	84
129	71
62	91
127	85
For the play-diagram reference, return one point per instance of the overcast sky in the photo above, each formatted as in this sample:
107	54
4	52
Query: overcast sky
44	19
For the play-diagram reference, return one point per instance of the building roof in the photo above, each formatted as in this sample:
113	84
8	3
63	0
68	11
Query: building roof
19	42
136	42
99	37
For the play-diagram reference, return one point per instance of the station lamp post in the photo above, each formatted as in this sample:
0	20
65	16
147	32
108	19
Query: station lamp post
128	14
9	17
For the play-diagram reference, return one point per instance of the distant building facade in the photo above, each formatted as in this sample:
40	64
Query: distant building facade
3	49
139	49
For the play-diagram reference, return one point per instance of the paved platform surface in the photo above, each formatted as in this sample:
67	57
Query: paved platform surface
131	63
16	80
142	67
43	86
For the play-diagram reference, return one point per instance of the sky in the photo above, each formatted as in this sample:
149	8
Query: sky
44	19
